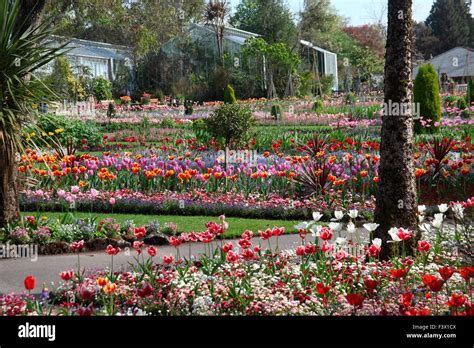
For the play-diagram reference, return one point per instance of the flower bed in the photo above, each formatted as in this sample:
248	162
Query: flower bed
320	277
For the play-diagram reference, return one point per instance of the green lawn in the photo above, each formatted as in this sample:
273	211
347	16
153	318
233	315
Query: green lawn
187	223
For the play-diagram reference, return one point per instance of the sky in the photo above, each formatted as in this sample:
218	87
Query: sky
360	12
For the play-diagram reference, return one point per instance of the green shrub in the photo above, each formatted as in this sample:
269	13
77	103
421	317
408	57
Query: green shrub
450	100
470	91
101	89
277	112
188	107
426	94
63	82
167	123
72	134
231	123
350	98
318	105
229	95
461	103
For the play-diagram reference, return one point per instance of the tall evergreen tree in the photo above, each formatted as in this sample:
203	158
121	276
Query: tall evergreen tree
451	22
270	18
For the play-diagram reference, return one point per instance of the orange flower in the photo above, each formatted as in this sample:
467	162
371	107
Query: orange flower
101	281
291	175
254	175
465	170
266	154
83	184
169	173
263	175
364	173
419	172
218	175
376	179
109	289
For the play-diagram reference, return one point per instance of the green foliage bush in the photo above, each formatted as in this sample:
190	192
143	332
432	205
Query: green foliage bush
101	89
188	107
277	112
426	93
350	98
63	82
229	95
470	91
318	105
461	103
59	130
231	123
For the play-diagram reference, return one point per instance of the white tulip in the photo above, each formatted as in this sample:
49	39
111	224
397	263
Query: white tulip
377	242
421	209
458	211
351	227
353	213
393	233
338	215
421	218
371	227
341	241
443	208
438	220
303	225
315	230
317	216
335	226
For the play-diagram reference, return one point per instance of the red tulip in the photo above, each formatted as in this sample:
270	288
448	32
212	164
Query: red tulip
151	251
67	275
467	272
76	246
322	290
139	232
300	250
456	300
446	272
112	251
355	299
434	283
423	246
399	273
370	283
30	282
145	291
169	259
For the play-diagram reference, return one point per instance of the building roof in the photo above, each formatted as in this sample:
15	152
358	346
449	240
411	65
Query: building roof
457	62
310	45
92	49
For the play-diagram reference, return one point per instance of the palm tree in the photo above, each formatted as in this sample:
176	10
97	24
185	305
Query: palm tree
396	197
21	52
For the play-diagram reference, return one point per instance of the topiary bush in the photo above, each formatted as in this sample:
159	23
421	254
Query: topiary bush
102	89
231	123
277	112
318	105
426	94
461	103
188	107
229	95
470	91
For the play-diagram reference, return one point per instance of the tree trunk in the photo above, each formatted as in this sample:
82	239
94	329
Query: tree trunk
396	196
9	208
